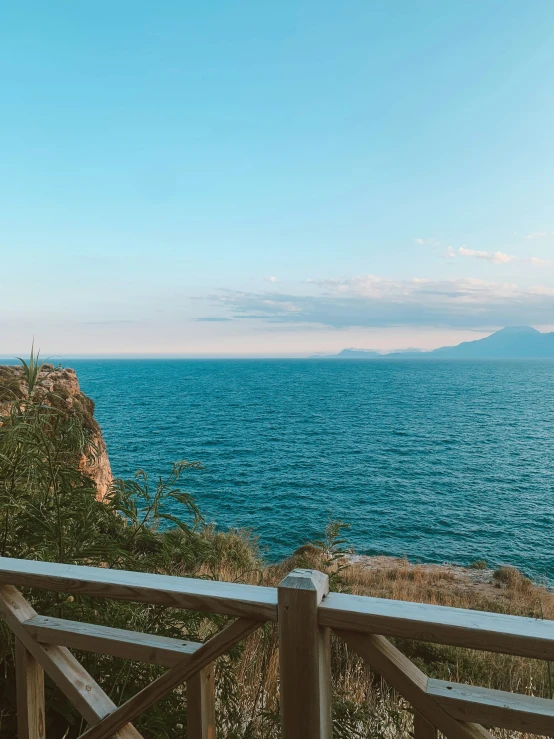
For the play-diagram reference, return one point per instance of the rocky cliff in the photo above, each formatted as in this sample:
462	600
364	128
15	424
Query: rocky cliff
58	386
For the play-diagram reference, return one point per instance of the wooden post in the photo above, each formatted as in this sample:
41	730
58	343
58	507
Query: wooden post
422	728
30	695
304	657
201	704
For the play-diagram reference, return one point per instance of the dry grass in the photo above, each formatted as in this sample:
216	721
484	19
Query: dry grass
357	689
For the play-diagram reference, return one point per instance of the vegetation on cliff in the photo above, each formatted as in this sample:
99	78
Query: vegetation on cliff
59	388
49	510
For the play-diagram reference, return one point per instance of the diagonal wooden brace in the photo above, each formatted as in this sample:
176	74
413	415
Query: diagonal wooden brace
62	667
410	682
210	651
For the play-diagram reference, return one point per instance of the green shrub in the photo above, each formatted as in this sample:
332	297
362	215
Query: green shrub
49	511
478	564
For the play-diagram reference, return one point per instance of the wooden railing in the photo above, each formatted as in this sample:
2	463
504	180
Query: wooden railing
305	612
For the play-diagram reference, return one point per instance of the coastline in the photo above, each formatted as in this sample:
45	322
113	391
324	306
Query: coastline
477	582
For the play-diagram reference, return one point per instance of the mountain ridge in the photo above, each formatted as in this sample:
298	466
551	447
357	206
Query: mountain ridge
511	342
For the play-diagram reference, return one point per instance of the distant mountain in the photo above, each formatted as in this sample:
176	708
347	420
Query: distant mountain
512	342
357	354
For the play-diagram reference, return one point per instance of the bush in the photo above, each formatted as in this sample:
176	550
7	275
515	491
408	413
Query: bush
511	577
49	511
478	564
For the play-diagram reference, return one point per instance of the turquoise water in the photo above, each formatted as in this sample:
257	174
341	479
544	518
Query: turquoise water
438	460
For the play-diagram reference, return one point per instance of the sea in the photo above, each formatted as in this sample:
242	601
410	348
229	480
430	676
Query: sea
435	460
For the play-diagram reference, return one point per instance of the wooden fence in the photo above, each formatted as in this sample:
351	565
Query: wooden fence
305	612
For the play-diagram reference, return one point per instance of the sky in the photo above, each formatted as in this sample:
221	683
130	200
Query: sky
274	179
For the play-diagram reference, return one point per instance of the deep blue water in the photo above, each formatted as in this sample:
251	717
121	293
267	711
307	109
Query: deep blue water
438	460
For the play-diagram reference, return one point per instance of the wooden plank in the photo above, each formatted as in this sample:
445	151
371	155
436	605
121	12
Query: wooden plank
304	657
29	677
422	728
210	651
233	599
157	650
492	632
62	667
410	682
494	707
201	704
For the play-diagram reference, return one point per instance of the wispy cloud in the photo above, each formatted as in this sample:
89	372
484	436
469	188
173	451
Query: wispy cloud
371	301
271	279
106	323
495	257
537	235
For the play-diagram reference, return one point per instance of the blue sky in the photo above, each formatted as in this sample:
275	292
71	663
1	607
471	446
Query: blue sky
256	178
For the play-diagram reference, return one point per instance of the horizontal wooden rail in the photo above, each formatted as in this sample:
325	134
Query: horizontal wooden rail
182	672
494	707
458	627
232	599
157	650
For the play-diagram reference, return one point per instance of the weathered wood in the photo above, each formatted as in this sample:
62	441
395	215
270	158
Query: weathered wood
410	682
305	613
304	657
233	599
62	667
210	651
494	707
157	650
29	677
422	728
492	632
201	704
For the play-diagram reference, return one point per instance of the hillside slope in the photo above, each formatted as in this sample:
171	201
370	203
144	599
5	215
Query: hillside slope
512	342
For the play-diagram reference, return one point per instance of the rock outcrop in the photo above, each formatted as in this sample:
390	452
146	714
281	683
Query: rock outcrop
59	386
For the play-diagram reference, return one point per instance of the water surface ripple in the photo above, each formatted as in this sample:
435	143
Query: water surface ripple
438	460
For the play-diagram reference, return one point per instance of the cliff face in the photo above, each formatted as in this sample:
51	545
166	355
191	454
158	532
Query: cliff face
60	387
